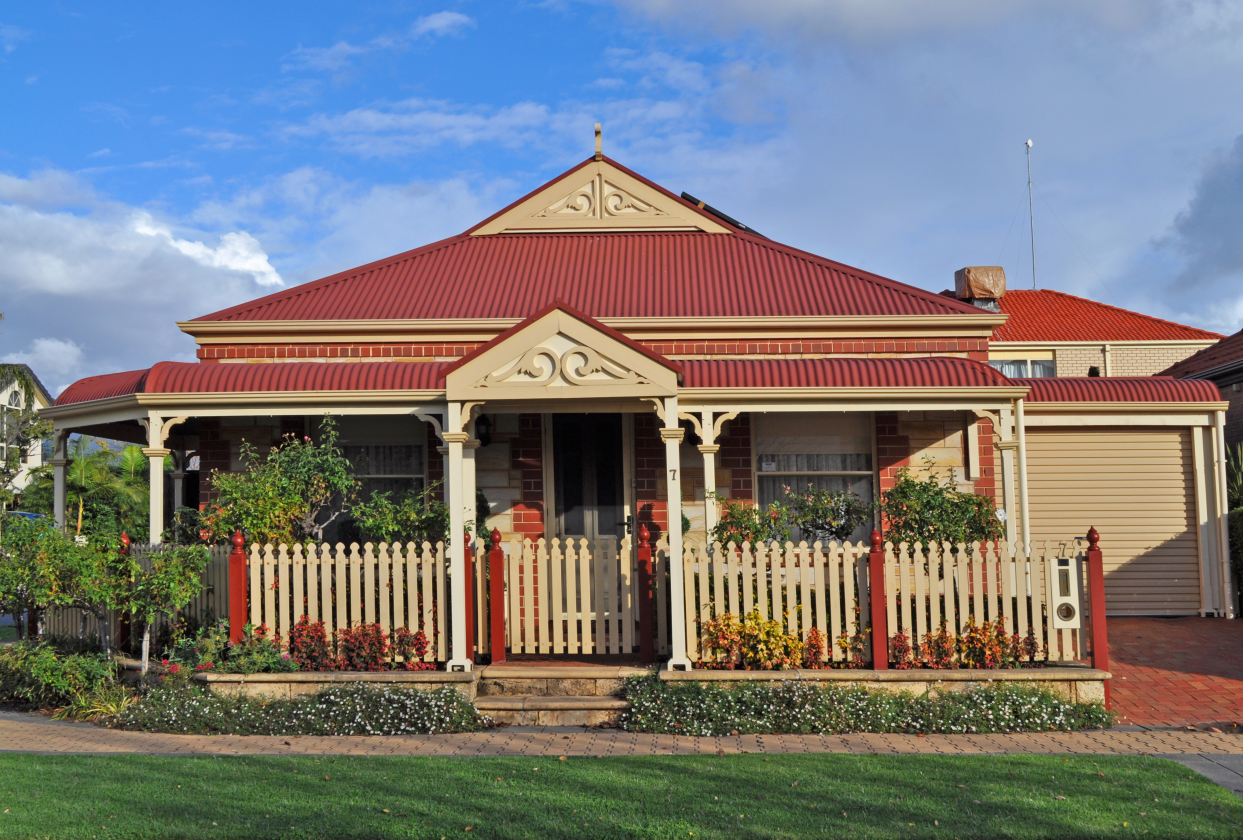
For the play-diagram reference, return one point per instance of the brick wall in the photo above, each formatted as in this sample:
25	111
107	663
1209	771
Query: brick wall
735	455
649	467
1123	361
528	457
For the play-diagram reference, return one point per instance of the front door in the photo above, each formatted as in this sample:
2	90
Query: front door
587	460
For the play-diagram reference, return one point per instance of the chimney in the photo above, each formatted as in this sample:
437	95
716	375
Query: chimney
981	285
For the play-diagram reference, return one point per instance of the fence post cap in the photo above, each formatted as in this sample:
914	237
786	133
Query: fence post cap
496	536
875	539
1094	540
239	542
125	543
644	534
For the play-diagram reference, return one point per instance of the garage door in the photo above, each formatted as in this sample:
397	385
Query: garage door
1137	487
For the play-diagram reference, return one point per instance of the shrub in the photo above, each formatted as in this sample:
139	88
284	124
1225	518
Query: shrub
37	675
690	708
254	653
361	648
989	646
825	515
336	710
755	643
741	522
411	648
308	646
814	648
934	511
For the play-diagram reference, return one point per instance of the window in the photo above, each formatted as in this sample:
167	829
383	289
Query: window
826	451
1023	368
388	468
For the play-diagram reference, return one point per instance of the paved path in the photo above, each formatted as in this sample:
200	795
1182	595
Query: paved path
1176	671
30	733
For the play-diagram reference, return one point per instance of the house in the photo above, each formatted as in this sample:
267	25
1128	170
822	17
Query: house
1051	333
604	351
1221	364
12	400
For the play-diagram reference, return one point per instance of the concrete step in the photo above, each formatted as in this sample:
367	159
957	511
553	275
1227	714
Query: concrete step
555	681
542	710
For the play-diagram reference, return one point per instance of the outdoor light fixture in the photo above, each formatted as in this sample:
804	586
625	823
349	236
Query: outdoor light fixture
483	430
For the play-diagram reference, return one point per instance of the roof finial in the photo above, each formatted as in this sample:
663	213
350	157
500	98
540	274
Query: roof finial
599	144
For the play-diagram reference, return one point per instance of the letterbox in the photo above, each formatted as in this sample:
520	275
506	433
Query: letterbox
1064	603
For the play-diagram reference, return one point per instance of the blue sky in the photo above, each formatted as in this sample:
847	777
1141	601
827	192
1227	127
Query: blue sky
161	161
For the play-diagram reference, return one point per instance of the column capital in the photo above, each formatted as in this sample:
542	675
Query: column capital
672	434
60	462
456	437
709	448
471	444
155	451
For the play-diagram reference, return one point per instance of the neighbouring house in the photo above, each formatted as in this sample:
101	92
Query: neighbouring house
604	352
13	399
1221	364
1051	333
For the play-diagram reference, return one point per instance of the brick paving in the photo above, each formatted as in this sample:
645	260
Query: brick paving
1176	671
32	733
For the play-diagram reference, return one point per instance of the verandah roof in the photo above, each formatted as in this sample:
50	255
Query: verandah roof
841	372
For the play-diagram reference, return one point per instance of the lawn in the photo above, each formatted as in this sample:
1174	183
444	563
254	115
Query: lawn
701	797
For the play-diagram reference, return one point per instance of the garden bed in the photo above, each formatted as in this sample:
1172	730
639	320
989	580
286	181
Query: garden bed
1075	684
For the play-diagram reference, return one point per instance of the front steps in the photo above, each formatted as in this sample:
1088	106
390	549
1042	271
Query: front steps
571	695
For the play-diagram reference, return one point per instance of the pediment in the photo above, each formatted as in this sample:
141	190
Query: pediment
559	356
599	196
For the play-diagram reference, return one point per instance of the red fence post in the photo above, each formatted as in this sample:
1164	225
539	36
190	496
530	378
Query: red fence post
876	597
496	597
470	599
1096	591
237	587
647	632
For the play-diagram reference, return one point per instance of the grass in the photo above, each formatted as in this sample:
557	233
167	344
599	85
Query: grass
695	796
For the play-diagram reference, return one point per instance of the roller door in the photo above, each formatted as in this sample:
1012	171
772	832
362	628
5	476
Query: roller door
1137	487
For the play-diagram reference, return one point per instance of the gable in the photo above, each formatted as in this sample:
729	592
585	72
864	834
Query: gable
599	196
557	355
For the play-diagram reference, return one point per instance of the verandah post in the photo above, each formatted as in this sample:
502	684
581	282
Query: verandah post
470	597
1096	592
496	598
238	608
876	598
647	635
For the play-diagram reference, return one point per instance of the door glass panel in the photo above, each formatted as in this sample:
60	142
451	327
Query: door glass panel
587	452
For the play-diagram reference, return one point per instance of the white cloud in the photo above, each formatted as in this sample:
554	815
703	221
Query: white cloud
332	59
11	36
441	24
49	357
100	153
237	251
218	139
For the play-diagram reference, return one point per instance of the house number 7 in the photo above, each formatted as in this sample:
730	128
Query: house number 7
673	475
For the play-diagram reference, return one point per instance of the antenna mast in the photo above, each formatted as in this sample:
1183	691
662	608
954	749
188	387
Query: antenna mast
1031	212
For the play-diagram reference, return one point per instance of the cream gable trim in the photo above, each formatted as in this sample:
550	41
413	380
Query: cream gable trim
599	197
559	357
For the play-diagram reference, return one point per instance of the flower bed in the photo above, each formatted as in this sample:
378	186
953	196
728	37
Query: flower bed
687	707
336	710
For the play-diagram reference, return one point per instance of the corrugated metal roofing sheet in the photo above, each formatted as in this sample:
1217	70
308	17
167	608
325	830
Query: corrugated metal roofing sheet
194	378
1046	315
606	275
841	372
1119	389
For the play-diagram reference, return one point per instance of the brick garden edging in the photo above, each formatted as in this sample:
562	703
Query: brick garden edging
287	686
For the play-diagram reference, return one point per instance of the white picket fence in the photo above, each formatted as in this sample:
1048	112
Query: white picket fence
800	586
989	583
389	585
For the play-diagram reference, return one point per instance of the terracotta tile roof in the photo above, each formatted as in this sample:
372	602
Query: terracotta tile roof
1229	349
1046	315
1118	389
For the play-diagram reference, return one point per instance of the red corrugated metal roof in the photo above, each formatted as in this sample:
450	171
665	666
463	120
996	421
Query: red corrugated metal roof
193	378
606	275
840	372
1119	389
1046	315
1229	349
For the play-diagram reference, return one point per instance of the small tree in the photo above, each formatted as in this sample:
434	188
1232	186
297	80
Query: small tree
932	510
415	515
174	578
21	429
826	515
291	494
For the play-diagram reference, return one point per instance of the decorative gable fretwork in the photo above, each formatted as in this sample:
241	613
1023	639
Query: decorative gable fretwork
558	356
599	196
